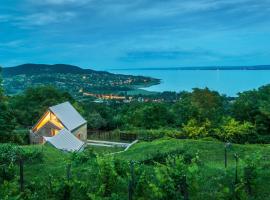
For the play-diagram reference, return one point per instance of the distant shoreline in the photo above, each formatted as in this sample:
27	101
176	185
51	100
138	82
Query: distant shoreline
222	68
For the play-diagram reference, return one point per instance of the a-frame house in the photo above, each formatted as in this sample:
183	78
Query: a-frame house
61	118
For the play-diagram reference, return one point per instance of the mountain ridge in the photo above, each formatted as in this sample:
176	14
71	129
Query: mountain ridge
71	78
33	69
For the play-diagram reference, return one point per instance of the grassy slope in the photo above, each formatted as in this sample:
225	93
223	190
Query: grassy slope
210	152
212	155
55	161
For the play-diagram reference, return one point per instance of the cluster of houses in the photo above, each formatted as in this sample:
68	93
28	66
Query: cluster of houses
62	127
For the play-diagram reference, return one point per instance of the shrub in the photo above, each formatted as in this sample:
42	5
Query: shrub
17	136
83	157
32	155
194	129
251	166
9	155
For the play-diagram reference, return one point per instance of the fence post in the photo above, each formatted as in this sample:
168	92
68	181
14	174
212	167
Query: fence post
68	172
131	182
226	147
50	184
21	176
225	156
236	168
2	167
185	186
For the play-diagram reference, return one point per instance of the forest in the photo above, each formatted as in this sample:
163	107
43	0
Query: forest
180	154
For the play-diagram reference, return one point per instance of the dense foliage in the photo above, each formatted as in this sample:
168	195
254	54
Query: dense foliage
1	88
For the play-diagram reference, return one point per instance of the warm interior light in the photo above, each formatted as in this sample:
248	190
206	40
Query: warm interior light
45	119
54	132
42	122
56	122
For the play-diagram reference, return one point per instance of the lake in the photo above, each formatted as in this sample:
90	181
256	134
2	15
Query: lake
229	82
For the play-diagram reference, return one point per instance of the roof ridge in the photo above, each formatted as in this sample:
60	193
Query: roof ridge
68	115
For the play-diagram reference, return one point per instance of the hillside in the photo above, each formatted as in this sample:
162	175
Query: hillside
73	79
208	179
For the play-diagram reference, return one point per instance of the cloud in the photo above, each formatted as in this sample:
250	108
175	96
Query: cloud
4	18
160	9
40	19
59	2
11	44
137	31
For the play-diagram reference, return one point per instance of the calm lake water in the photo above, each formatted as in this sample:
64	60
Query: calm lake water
225	82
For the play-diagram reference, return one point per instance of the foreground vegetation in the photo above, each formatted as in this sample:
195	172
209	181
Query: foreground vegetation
162	169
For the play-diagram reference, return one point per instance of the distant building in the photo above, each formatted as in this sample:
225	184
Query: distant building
62	126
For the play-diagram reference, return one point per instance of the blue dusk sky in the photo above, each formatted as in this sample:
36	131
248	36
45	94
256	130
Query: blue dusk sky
105	34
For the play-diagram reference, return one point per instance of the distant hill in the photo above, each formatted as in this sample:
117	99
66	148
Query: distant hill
34	69
77	81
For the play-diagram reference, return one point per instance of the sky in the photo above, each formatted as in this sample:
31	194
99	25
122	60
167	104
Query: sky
110	34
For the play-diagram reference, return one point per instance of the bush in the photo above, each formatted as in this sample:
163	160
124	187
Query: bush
250	175
17	136
9	155
83	157
194	129
32	155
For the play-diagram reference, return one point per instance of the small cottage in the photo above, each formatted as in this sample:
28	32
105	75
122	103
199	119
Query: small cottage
55	126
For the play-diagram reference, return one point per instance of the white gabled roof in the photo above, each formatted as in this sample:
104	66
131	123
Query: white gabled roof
66	141
67	114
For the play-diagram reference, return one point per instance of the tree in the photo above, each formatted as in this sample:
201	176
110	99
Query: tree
1	87
235	131
7	118
149	116
254	106
95	121
245	107
201	105
184	110
209	104
7	123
